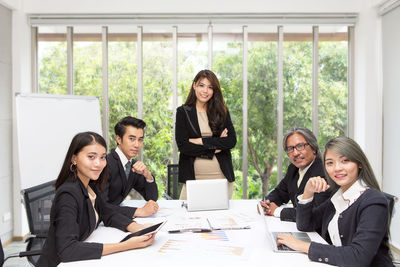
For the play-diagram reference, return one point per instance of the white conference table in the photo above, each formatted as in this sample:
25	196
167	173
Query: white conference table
247	247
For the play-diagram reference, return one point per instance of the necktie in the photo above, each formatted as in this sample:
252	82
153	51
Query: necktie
301	175
128	167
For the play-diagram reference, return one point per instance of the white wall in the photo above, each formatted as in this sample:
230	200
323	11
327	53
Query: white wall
391	112
6	195
368	91
182	6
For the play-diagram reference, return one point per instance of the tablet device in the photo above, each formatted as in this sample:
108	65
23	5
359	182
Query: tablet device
149	230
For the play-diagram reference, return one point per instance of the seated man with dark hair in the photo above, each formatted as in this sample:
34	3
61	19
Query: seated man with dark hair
126	174
301	146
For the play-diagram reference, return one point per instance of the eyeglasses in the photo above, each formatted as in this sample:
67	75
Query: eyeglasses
299	147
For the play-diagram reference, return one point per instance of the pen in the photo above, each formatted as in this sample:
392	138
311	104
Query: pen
233	228
189	230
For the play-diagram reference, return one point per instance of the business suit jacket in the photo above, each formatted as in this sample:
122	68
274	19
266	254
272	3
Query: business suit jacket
287	189
72	220
118	187
189	151
363	229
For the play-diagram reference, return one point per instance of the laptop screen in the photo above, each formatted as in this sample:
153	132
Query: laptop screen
207	194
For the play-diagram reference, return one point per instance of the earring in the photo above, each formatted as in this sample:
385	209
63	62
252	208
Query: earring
72	167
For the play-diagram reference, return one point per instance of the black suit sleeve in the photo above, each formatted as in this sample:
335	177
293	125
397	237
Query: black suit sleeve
146	189
288	214
222	143
126	211
68	246
112	216
280	195
182	135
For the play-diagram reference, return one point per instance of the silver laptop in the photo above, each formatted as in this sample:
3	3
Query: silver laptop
272	236
207	194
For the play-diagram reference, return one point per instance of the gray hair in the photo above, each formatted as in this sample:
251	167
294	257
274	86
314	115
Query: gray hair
307	134
348	148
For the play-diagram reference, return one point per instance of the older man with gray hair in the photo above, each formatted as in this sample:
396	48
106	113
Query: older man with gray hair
301	146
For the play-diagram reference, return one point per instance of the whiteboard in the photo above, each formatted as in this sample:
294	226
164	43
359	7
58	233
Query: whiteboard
45	126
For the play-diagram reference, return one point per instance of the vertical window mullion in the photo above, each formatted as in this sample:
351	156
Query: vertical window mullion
104	39
315	89
245	111
210	46
34	59
140	77
70	60
174	87
280	101
140	71
350	82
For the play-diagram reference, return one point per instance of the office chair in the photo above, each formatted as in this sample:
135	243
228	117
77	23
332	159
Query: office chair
391	201
38	200
1	254
173	186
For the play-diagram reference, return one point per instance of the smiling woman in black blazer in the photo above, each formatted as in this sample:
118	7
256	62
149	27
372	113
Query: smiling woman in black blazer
204	133
77	211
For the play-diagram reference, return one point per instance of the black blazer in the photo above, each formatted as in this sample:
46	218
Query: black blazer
363	228
72	220
287	189
118	187
187	126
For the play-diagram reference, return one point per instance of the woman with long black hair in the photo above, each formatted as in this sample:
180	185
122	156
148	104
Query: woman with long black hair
78	209
204	133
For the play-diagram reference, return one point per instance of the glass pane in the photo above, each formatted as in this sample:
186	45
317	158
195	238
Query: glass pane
297	80
262	115
88	61
157	96
52	60
332	99
122	76
227	65
192	57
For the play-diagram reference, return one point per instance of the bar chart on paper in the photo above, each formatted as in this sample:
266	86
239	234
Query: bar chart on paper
210	244
215	235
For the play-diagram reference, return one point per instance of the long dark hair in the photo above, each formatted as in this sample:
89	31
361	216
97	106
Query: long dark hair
77	144
348	148
216	108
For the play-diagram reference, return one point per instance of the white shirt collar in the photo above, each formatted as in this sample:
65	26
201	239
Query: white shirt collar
306	168
342	200
122	156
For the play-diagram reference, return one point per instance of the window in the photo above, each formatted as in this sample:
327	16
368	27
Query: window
192	55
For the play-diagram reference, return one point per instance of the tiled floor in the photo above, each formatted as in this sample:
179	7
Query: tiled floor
16	247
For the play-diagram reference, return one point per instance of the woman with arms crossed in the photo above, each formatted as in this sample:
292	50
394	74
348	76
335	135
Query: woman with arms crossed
354	220
76	211
204	133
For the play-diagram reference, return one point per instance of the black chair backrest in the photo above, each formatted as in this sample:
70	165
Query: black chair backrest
391	200
38	200
173	187
1	254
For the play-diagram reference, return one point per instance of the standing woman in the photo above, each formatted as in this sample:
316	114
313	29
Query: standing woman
76	211
204	133
354	221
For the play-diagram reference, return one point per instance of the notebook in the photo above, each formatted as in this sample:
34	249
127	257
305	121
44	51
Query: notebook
207	194
273	234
